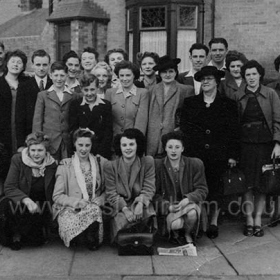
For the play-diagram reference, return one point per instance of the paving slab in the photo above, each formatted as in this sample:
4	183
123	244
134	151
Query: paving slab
209	261
52	259
250	255
99	277
106	261
186	278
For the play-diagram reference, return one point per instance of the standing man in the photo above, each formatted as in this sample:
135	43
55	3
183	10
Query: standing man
198	56
27	95
218	50
2	54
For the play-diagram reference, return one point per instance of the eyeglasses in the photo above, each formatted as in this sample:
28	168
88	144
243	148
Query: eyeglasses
207	79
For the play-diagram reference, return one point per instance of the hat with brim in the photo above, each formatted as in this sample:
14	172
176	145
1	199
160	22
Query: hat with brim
166	62
209	71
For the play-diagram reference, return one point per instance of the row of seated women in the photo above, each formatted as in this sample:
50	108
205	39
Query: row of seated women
134	185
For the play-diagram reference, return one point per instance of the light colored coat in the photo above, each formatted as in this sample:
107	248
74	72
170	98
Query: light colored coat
162	113
129	113
51	117
67	191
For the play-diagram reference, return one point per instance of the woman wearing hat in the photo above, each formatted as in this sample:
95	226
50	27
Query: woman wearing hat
165	98
210	124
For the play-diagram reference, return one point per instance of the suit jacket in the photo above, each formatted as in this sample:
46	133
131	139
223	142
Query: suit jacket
269	103
67	191
25	106
18	183
52	116
192	182
129	113
141	187
182	79
6	113
162	113
98	120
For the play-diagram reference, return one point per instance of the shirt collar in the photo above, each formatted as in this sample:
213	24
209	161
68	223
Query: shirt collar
190	73
64	90
96	103
223	67
131	92
75	84
38	80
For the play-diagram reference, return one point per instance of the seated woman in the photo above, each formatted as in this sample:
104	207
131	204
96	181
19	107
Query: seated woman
29	186
79	194
180	189
130	182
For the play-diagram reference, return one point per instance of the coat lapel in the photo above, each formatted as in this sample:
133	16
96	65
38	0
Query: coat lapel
135	169
66	98
123	176
170	93
28	176
49	175
53	96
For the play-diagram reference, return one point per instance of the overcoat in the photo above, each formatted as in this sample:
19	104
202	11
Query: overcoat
275	85
67	191
182	79
98	120
18	182
133	116
162	113
52	117
25	106
192	183
228	86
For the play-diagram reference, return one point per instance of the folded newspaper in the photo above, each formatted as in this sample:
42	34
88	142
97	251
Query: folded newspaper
186	250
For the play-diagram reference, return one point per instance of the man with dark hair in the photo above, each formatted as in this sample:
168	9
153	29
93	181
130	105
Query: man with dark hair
198	56
72	61
27	95
218	50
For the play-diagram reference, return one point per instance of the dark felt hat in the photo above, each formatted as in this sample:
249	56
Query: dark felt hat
166	62
208	71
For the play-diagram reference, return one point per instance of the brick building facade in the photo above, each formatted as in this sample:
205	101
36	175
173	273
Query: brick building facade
250	26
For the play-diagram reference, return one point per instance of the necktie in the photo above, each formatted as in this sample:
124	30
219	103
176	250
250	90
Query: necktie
41	85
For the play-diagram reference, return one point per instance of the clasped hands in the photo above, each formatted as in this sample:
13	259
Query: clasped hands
31	205
136	215
176	207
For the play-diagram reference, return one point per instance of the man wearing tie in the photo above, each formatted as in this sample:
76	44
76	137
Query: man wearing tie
198	56
27	95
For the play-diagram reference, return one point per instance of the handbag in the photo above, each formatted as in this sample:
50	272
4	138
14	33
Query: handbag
137	240
233	182
270	180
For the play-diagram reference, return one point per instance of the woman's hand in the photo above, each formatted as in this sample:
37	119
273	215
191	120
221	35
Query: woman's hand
276	151
128	214
31	205
138	211
183	203
80	204
231	162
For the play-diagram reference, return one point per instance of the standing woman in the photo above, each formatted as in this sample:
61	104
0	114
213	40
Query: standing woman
15	63
147	62
103	73
180	189
130	182
79	193
165	98
29	186
233	81
260	120
210	124
129	103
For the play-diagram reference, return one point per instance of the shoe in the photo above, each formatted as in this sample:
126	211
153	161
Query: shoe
16	245
258	231
248	230
177	239
212	232
92	246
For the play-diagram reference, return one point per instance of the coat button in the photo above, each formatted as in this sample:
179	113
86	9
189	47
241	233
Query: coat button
123	106
121	129
122	117
207	131
207	146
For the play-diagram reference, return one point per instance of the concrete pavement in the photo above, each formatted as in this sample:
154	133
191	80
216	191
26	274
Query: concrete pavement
230	256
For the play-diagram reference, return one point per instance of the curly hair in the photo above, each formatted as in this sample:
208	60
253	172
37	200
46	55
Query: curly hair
131	133
253	64
87	79
140	57
70	54
234	56
103	65
123	52
37	138
127	65
83	132
277	63
15	53
174	135
91	50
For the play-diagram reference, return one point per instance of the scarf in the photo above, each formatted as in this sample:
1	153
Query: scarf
80	177
38	170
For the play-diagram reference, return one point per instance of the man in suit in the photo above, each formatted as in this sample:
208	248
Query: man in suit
218	51
198	56
27	95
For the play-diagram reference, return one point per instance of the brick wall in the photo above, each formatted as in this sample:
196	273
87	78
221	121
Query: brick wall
252	27
8	10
